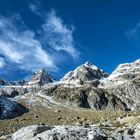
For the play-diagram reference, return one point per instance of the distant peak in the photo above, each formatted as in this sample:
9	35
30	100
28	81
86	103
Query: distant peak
41	77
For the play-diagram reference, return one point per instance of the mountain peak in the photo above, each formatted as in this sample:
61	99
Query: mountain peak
40	77
85	72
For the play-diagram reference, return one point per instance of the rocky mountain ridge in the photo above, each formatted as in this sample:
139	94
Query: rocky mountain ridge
87	86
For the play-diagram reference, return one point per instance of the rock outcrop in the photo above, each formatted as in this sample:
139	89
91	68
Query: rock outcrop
58	133
44	132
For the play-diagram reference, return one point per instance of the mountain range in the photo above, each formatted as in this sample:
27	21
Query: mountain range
87	87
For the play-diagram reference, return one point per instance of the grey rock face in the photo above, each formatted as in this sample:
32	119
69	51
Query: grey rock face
85	96
40	78
129	93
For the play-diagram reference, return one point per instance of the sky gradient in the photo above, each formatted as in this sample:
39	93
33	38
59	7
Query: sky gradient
59	35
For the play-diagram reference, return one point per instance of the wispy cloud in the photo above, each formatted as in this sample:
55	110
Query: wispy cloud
59	36
20	46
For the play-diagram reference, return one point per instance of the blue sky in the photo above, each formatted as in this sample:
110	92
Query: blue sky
59	35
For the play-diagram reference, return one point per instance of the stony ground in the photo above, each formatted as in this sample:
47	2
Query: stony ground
67	116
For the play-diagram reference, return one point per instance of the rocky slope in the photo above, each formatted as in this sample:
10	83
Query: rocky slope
124	83
78	89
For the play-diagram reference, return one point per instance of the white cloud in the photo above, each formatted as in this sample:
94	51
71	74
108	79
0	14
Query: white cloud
59	36
2	62
19	46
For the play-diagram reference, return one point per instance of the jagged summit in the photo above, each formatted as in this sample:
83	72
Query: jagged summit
85	72
40	77
89	64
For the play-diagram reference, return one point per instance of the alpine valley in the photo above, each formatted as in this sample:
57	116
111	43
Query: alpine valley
86	104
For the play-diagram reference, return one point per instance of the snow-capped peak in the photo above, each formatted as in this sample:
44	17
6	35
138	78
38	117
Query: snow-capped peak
122	74
84	72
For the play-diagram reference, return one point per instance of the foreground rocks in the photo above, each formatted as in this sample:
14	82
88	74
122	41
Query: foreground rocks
61	132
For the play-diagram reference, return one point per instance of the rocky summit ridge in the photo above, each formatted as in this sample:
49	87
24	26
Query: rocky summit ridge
85	73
